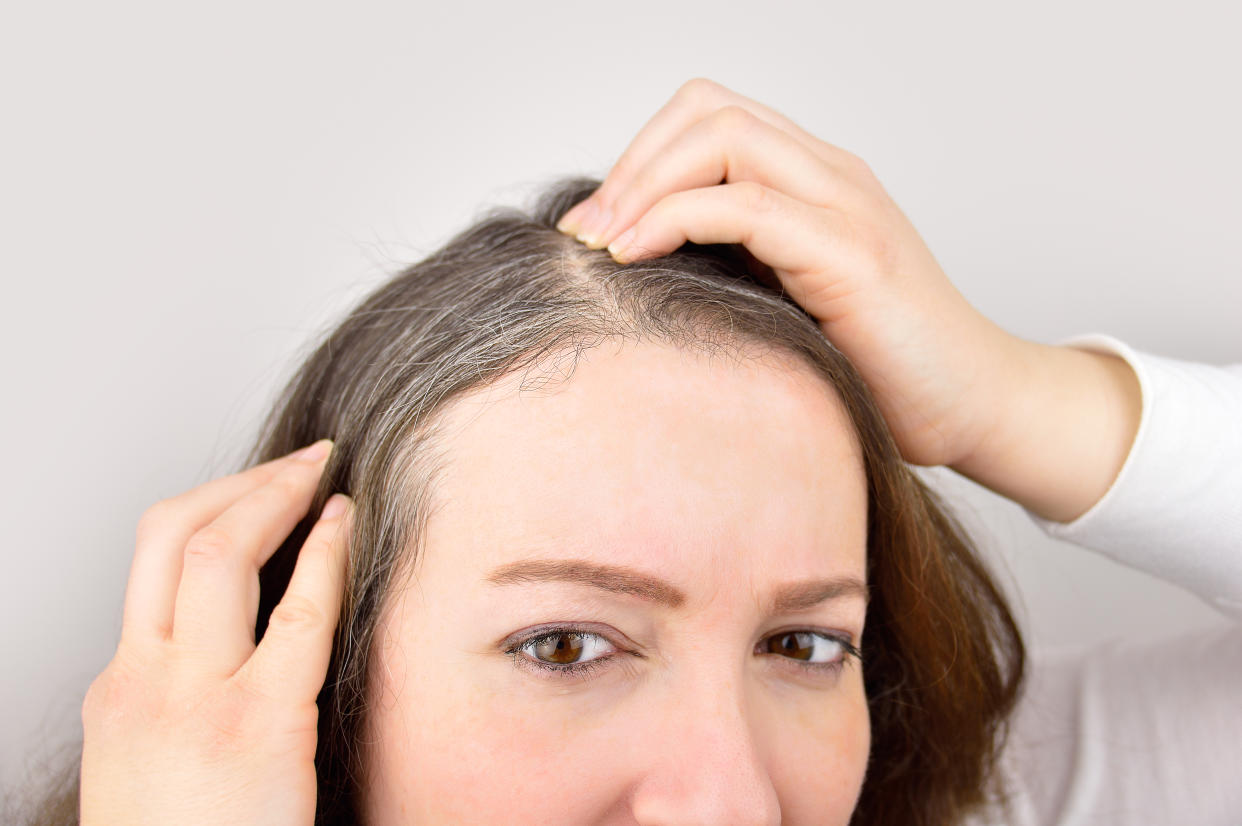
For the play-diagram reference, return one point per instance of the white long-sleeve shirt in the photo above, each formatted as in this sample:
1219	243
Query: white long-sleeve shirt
1148	732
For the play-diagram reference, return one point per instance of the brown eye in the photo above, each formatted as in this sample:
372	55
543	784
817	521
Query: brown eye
798	644
566	649
808	646
559	648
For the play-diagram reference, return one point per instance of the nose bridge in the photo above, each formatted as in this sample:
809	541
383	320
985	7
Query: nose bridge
707	766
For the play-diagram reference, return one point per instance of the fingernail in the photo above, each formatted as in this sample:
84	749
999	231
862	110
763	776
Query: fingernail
621	246
571	222
583	218
596	230
335	507
589	232
316	451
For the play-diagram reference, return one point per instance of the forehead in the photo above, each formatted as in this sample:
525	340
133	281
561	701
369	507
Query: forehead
655	456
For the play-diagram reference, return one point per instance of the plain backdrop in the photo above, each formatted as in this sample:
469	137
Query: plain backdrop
189	195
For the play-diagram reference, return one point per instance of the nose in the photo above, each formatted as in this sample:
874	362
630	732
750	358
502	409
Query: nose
705	767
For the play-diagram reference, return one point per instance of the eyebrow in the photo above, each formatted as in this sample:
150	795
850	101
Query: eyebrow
789	598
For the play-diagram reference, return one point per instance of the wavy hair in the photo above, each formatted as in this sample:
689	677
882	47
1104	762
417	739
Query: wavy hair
944	657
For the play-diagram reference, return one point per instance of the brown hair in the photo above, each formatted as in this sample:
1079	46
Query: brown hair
944	658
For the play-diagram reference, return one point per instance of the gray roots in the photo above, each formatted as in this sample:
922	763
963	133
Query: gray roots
509	296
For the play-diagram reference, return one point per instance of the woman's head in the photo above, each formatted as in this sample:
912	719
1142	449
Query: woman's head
678	508
651	455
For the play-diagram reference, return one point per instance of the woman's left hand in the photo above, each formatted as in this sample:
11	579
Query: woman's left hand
843	250
954	388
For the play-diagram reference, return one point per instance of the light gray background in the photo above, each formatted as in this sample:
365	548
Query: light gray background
189	195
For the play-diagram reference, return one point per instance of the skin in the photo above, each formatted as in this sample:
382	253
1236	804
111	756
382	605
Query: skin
1048	427
623	465
190	721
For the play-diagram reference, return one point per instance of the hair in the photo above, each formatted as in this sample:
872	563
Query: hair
944	657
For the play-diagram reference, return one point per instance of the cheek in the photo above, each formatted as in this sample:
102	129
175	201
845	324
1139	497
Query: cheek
453	749
820	756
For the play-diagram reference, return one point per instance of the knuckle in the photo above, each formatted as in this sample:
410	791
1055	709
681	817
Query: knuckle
119	690
93	703
286	487
296	614
324	536
156	519
699	89
734	118
279	492
755	196
211	544
857	164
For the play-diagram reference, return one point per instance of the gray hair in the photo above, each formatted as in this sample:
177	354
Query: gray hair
510	294
944	659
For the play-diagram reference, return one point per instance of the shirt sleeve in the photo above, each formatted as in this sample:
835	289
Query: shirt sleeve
1175	508
1136	730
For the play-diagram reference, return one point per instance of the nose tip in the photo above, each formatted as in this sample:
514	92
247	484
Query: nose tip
722	790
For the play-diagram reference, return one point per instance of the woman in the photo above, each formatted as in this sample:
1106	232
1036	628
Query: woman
688	580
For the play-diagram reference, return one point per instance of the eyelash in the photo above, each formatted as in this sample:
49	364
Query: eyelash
585	670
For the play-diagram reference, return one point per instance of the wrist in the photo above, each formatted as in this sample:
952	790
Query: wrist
1062	426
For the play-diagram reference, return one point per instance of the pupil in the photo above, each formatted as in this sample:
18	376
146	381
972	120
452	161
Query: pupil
797	645
560	648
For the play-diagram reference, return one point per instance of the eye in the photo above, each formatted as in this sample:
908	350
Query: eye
817	650
574	652
563	651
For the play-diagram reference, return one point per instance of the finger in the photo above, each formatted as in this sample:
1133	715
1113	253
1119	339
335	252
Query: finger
730	145
696	99
218	597
163	531
291	661
817	253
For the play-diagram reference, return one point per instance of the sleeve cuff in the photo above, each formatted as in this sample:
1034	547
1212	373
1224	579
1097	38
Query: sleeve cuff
1175	508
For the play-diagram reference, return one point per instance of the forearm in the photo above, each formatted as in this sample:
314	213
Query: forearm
1064	423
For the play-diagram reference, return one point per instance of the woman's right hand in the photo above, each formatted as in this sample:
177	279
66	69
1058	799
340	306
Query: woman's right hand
191	722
